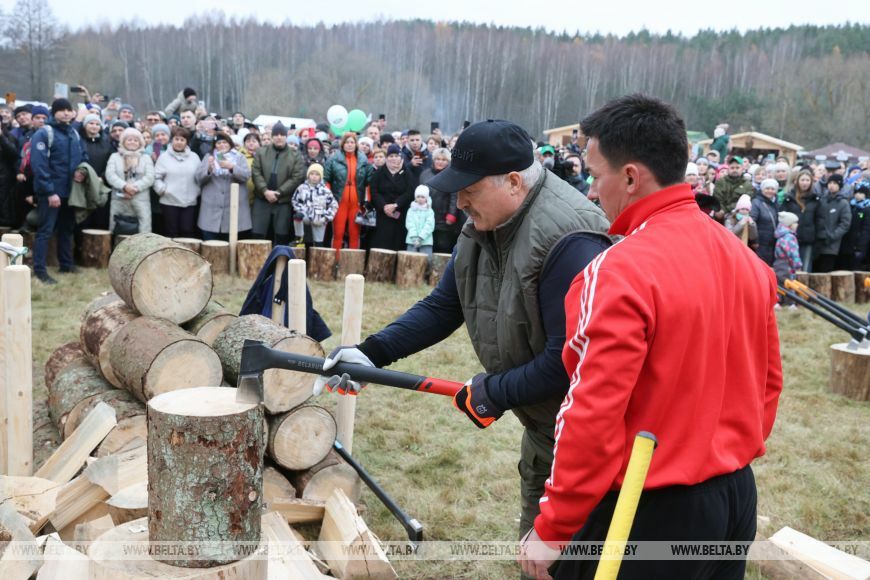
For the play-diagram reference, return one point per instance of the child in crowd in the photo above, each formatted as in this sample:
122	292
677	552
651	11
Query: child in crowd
787	256
741	223
315	203
420	222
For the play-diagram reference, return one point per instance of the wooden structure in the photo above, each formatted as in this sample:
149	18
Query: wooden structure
752	144
17	241
561	136
18	361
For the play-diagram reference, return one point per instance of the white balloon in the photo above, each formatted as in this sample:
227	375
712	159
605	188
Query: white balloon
336	115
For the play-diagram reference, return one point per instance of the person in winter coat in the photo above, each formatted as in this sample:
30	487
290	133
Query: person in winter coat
130	174
347	174
787	258
804	203
277	171
833	218
185	101
8	162
416	156
314	152
250	146
764	214
730	187
315	203
856	244
449	219
175	183
420	223
215	176
741	223
392	190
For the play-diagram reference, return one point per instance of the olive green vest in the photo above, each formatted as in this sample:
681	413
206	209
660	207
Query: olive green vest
497	275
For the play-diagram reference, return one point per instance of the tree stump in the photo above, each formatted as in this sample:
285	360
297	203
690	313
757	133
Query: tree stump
298	252
252	254
321	264
62	357
850	372
73	384
318	482
381	266
439	264
157	277
301	437
802	277
411	269
210	322
102	320
862	289
96	248
205	471
351	261
151	356
821	283
216	253
192	244
843	286
283	389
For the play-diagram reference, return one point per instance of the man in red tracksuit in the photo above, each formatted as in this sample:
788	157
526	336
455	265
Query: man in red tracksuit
671	331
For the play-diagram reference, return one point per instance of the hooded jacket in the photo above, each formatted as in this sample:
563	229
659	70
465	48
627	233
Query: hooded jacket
420	223
787	256
806	234
833	218
53	170
766	218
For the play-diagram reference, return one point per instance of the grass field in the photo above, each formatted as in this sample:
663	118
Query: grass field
461	482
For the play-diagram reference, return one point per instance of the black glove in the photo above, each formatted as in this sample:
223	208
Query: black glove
474	401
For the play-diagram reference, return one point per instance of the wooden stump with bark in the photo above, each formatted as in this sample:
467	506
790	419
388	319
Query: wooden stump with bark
216	253
151	356
411	269
821	283
319	481
439	264
96	248
102	320
251	255
862	289
321	264
351	261
210	322
283	389
276	486
843	286
381	266
157	277
192	244
63	356
802	277
126	406
74	383
850	372
298	252
301	437
205	471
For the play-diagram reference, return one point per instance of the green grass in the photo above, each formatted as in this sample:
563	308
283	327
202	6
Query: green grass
461	482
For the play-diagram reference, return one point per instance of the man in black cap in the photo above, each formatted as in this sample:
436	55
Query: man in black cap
528	235
186	100
277	171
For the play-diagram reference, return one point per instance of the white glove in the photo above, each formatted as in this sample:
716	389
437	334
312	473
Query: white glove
343	384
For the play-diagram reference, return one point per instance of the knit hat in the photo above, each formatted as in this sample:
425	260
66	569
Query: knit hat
279	129
39	110
293	140
127	107
702	160
691	169
91	117
122	124
394	149
787	219
22	109
837	178
743	202
314	141
188	92
424	191
160	128
132	132
221	136
769	183
60	105
315	168
367	141
781	166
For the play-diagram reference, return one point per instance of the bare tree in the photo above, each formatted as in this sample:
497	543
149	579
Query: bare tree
32	30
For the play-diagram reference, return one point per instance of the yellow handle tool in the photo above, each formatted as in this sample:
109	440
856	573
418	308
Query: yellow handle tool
626	506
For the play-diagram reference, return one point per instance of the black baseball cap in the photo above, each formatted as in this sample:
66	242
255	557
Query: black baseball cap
492	147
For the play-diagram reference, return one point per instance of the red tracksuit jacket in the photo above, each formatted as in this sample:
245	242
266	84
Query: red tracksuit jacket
671	331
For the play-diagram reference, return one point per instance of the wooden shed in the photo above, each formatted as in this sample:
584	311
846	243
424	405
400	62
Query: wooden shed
561	136
752	144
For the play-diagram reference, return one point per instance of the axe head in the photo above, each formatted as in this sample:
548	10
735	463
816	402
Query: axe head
254	361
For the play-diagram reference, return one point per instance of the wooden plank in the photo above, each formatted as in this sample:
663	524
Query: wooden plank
298	511
234	225
288	558
70	456
74	500
351	330
32	497
17	241
62	562
278	308
19	371
12	565
823	558
297	315
89	531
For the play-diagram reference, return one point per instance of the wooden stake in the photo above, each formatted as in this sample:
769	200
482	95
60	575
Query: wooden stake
297	316
17	241
234	225
71	455
830	562
278	308
19	371
287	554
351	330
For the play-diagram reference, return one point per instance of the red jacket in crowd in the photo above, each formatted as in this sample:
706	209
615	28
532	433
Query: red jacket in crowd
671	331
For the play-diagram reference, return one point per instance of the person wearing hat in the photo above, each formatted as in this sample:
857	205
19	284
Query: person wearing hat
22	116
277	171
186	100
38	118
314	152
787	256
161	134
833	219
54	161
130	174
392	191
315	203
764	213
856	243
707	390
528	235
741	223
127	114
215	175
730	187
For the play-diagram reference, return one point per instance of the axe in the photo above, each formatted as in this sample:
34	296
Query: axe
257	357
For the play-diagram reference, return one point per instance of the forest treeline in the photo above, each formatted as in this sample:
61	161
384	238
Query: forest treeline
806	84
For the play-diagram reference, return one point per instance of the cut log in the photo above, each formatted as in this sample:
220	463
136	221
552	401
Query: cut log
381	266
411	269
110	559
320	481
251	255
151	356
283	389
62	356
862	289
205	471
192	244
102	320
157	277
829	561
321	264
124	404
75	383
344	532
276	486
131	503
32	497
821	283
302	437
298	511
351	261
287	555
71	455
850	372
843	286
210	322
117	239
298	253
96	248
128	434
802	277
216	253
439	264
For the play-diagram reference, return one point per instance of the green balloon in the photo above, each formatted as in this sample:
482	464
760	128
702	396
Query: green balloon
356	120
338	131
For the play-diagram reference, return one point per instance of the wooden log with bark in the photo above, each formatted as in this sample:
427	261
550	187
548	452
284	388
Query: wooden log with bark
283	389
192	244
802	277
439	264
157	277
216	253
318	482
205	471
151	356
301	437
321	264
821	283
102	320
75	383
210	322
862	288
850	372
251	255
843	286
411	269
276	485
381	266
63	356
96	248
351	261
